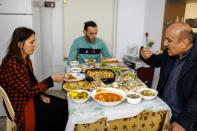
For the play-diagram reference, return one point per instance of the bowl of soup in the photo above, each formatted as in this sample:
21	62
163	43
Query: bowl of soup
108	96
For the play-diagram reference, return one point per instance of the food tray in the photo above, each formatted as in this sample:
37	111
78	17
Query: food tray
106	75
84	85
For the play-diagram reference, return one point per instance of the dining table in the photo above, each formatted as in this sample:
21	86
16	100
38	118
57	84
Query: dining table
148	115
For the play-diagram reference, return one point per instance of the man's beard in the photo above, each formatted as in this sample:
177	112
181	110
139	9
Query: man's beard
90	40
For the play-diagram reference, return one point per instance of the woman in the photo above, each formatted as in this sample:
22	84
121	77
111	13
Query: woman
34	110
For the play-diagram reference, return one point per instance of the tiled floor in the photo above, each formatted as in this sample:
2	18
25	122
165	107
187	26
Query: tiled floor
2	123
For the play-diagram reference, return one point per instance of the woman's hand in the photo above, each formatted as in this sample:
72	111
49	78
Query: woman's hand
58	77
45	99
146	53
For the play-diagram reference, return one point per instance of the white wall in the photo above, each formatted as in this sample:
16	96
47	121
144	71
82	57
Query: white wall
52	40
153	21
130	24
153	24
135	17
48	24
37	64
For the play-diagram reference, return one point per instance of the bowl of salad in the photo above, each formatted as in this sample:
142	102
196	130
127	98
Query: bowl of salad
78	96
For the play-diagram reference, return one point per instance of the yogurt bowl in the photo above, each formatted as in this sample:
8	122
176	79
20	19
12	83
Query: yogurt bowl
133	97
75	70
74	63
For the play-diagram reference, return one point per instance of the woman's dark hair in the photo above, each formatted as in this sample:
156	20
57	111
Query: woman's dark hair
89	23
20	34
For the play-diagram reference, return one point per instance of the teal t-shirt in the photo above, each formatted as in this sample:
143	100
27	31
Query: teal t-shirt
80	47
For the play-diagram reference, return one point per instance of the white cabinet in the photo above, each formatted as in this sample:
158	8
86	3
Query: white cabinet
16	6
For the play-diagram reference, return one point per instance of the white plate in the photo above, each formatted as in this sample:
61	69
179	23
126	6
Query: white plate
90	61
75	70
74	63
111	90
78	76
110	62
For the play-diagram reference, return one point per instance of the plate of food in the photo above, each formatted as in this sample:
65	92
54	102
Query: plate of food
90	61
147	93
107	76
112	61
97	83
123	86
108	96
78	85
78	96
75	70
116	69
71	77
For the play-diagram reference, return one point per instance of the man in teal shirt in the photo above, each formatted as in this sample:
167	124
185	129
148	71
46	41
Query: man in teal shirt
88	46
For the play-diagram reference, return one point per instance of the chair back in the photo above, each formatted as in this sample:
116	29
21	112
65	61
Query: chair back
8	104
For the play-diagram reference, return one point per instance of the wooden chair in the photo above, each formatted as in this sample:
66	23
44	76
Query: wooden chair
10	124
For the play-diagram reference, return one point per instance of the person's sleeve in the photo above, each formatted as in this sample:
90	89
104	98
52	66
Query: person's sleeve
19	80
188	117
104	50
73	52
155	60
48	81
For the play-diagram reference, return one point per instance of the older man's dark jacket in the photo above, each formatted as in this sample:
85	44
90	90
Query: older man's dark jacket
186	85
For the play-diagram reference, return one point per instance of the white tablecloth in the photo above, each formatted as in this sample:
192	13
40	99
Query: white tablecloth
91	111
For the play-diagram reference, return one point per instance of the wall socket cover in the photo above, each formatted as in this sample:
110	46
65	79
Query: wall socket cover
49	4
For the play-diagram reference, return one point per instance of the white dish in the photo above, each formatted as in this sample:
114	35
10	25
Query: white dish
75	70
90	61
74	63
133	100
77	77
78	100
108	90
112	62
148	91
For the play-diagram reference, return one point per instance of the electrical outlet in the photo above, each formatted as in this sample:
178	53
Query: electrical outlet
52	4
49	4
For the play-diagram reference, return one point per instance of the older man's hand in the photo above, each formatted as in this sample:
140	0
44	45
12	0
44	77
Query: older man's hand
146	53
176	127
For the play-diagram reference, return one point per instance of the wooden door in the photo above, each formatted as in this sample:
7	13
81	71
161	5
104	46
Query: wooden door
174	12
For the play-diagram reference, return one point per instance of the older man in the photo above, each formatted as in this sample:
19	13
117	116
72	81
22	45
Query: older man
178	75
88	46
